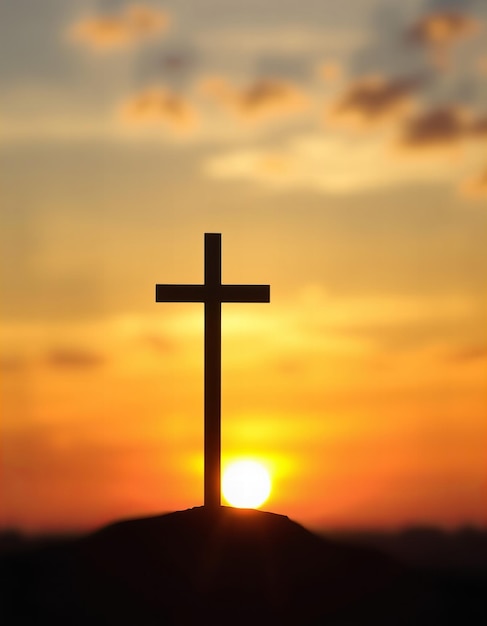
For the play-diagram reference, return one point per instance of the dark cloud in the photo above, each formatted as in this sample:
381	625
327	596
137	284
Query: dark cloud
134	23
265	98
373	99
439	127
442	127
71	358
159	105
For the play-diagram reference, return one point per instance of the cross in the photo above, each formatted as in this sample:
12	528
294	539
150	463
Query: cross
212	293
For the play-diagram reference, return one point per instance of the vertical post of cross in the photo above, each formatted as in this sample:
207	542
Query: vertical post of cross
213	341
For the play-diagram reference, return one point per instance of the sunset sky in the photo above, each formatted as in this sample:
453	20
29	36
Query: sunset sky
339	147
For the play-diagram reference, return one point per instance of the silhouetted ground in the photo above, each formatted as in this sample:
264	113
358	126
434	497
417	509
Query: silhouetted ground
227	566
463	550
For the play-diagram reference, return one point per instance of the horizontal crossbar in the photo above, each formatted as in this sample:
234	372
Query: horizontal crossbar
207	293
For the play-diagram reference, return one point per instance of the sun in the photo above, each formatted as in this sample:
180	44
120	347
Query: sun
246	484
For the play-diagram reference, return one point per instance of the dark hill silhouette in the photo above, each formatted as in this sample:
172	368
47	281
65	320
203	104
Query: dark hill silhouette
224	566
463	550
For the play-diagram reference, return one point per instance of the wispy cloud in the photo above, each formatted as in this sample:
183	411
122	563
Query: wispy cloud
331	164
158	105
264	99
71	358
443	27
373	99
439	31
132	24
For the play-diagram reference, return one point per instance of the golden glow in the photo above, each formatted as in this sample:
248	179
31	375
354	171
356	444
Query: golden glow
246	484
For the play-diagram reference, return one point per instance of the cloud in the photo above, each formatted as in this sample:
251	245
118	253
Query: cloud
443	28
264	99
441	127
331	164
478	128
158	105
476	186
70	358
134	23
373	99
435	128
440	30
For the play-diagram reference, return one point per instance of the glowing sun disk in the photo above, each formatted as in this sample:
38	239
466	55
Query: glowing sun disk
246	484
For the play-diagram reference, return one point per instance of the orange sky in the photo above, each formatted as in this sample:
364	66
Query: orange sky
355	193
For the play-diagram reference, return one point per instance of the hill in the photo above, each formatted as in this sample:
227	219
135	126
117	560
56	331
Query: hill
225	566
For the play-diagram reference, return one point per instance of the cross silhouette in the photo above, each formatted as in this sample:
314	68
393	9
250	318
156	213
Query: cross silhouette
212	293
